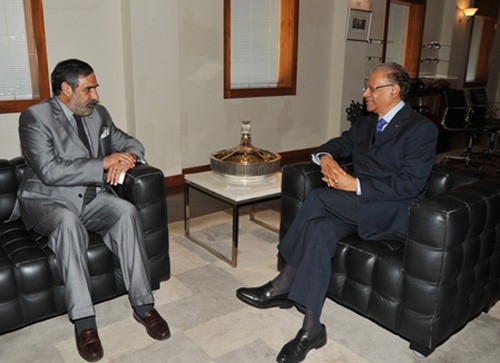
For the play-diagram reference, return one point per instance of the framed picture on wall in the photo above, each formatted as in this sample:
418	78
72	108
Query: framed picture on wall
359	25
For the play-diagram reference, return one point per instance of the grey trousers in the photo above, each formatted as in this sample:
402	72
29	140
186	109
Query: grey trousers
118	223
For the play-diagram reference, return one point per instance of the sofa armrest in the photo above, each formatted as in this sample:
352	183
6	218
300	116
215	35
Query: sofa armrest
452	259
144	186
297	181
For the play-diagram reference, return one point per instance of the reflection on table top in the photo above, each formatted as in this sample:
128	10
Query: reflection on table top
236	191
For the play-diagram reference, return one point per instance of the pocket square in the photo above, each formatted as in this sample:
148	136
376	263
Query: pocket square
104	132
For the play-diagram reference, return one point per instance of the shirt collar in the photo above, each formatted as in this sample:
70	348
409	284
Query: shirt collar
66	110
393	111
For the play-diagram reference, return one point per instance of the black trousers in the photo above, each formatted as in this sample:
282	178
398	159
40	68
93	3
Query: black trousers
310	243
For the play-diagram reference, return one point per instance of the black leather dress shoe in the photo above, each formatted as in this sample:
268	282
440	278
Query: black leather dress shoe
262	297
296	350
89	345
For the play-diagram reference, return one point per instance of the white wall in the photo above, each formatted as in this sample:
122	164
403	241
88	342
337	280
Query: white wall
210	123
160	68
90	30
154	80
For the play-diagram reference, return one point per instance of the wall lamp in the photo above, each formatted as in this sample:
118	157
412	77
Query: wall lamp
468	13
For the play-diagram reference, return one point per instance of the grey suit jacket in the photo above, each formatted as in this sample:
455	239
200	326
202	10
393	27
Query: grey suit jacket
58	166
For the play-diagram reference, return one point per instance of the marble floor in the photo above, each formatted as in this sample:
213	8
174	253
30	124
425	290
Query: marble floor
209	324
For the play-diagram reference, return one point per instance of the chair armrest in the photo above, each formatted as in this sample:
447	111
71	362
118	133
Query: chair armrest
144	186
456	118
494	108
300	178
452	258
297	181
487	111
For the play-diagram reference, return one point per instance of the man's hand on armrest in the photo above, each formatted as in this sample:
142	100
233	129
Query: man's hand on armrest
116	165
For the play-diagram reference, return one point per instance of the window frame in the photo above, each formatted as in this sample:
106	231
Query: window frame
35	34
287	57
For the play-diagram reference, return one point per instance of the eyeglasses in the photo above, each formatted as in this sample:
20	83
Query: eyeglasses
374	88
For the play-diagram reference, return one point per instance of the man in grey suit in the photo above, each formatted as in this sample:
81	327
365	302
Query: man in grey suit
393	152
74	154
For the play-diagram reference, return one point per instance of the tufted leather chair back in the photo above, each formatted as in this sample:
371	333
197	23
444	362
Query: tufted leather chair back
8	188
300	178
442	179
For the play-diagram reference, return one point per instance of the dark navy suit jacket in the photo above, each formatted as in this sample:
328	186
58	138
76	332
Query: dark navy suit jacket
393	170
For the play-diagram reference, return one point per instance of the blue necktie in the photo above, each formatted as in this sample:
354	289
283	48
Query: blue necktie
380	126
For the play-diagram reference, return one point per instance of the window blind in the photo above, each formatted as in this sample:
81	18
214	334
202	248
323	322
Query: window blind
254	43
15	77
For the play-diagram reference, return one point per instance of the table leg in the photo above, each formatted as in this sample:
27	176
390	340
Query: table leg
236	219
187	210
234	248
260	222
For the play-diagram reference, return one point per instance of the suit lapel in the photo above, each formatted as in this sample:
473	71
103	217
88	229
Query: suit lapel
397	123
94	125
60	117
371	129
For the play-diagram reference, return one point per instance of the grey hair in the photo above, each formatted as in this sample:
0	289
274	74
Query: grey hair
68	71
397	74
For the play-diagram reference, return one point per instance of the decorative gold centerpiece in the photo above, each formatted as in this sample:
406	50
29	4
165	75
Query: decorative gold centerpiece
245	163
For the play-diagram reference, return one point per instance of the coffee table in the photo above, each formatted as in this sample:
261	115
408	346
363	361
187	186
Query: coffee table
237	195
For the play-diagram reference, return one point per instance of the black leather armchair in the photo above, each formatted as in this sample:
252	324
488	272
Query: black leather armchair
30	286
443	275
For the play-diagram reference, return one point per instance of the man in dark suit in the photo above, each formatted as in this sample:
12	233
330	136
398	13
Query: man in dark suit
393	152
73	153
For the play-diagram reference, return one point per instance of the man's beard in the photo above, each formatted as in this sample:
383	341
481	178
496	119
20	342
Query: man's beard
87	109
